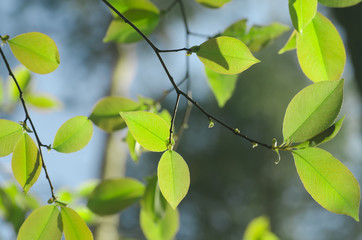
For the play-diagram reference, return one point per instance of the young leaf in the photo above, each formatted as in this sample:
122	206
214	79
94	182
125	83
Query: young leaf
105	113
42	101
291	44
10	132
213	3
26	162
222	85
328	181
74	226
36	51
73	135
320	50
312	110
23	78
42	224
133	147
339	3
173	177
142	13
114	195
149	129
225	55
302	12
259	228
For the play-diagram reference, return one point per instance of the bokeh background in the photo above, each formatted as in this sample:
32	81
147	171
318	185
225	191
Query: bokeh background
231	182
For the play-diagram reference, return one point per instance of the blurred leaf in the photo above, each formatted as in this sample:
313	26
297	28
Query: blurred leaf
86	188
43	101
312	111
225	55
237	30
42	224
291	44
133	147
113	195
222	85
36	51
87	215
302	12
73	135
320	50
150	130
10	133
105	113
339	3
153	203
74	226
328	181
142	13
259	229
65	196
165	115
213	3
173	177
26	162
23	78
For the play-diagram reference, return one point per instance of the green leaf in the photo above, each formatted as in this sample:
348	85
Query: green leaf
133	147
10	133
222	85
213	3
339	3
302	12
320	50
23	78
153	203
174	177
42	224
237	30
114	195
74	226
328	181
225	55
73	135
42	101
36	51
105	113
26	162
142	13
259	229
150	130
291	44
312	111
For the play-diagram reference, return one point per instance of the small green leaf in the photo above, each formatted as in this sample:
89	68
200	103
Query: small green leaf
259	228
74	226
237	30
73	135
23	78
10	133
114	195
150	130
328	181
312	111
213	3
222	85
339	3
105	113
320	50
174	177
42	101
142	13
133	147
42	224
291	44
36	51
302	12
26	162
226	55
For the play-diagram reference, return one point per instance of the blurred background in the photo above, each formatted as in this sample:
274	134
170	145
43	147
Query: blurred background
231	182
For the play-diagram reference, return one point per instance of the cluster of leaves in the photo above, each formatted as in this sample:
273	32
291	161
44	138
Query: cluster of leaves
309	121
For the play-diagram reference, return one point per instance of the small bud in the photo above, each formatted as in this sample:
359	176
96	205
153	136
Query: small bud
254	144
274	143
50	200
236	130
211	124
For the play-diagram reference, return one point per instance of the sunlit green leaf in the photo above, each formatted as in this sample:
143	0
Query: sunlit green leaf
320	50
150	130
42	101
173	177
291	44
26	162
105	113
302	12
339	3
133	147
225	55
36	51
259	229
42	224
23	77
73	135
142	13
10	132
74	226
328	181
165	115
312	110
114	195
213	3
222	85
